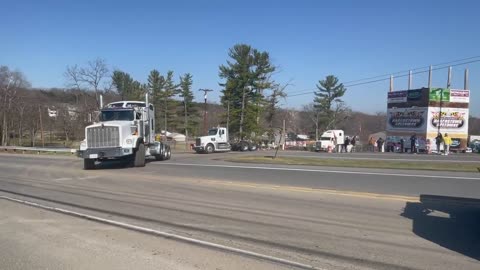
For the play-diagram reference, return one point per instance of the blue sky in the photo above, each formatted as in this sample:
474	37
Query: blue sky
307	40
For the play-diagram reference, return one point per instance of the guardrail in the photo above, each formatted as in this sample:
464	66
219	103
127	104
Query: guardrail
20	149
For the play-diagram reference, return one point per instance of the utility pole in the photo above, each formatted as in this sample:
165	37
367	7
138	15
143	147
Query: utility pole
205	113
409	79
41	126
242	114
430	77
186	123
465	80
391	83
449	79
283	135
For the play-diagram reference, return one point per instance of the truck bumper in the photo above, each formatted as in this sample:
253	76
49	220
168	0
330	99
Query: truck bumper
199	148
104	153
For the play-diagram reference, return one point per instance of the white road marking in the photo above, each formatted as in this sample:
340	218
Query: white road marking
317	170
63	179
75	178
164	234
87	177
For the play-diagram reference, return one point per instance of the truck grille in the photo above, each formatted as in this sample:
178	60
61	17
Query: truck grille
99	137
197	142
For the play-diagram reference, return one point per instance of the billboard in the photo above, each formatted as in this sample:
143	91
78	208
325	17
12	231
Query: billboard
449	95
450	120
408	98
459	95
439	94
397	97
414	95
407	119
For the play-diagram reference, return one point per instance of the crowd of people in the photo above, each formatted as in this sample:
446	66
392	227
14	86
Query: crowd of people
440	140
349	145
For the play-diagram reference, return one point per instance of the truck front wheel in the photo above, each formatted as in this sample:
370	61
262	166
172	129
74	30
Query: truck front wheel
88	164
169	153
139	156
209	149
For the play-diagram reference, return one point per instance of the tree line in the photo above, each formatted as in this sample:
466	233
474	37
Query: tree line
249	106
173	100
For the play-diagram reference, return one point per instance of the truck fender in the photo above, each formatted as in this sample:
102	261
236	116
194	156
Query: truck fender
138	142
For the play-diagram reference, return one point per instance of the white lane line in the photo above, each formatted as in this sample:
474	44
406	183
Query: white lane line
380	158
75	178
62	179
317	170
87	177
165	234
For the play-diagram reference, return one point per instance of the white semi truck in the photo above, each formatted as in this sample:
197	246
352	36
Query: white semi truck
330	139
125	131
217	140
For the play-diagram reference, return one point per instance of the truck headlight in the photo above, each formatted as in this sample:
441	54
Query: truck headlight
83	145
129	141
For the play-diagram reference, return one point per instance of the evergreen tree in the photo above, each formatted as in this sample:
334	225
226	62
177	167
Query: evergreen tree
156	83
190	120
128	88
247	75
169	104
328	100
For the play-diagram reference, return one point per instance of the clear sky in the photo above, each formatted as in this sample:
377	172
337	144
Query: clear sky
307	40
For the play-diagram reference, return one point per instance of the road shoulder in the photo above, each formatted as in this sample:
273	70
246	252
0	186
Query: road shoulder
33	238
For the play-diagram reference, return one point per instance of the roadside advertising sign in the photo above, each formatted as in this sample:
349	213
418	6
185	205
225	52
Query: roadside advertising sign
397	97
450	120
459	95
439	93
407	119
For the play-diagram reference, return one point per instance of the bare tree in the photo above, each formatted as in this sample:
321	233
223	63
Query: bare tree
313	114
89	77
10	83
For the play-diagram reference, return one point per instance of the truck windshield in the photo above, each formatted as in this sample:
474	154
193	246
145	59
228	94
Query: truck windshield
325	138
117	115
212	132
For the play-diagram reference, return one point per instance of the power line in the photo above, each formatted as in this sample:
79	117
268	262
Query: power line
311	91
405	71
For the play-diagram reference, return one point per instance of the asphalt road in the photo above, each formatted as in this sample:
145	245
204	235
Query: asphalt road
330	218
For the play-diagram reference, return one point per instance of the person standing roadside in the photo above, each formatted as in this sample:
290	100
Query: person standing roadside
346	144
417	144
371	144
380	144
438	141
353	142
447	141
413	140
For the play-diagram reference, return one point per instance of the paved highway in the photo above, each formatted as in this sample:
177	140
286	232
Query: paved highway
328	218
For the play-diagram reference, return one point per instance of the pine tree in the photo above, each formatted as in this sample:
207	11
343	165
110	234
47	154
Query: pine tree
156	83
190	113
170	105
128	88
328	100
246	76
